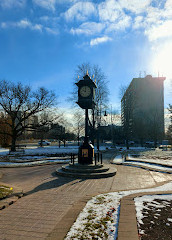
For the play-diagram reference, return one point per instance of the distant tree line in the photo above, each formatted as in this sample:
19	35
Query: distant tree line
28	113
169	130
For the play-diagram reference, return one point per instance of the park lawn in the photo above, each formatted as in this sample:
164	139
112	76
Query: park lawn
5	191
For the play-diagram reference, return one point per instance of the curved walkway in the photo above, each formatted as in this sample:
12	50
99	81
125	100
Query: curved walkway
51	204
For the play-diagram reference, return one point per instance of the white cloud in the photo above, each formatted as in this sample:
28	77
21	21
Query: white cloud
37	27
109	10
4	25
49	21
138	22
99	40
88	28
113	15
136	6
168	4
120	25
158	15
80	11
163	30
52	31
45	18
24	23
168	9
156	23
117	15
47	4
12	3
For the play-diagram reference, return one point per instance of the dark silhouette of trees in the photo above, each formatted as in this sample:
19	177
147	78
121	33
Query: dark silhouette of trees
19	103
79	123
169	131
4	128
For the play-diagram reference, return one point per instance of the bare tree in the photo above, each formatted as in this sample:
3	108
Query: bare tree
169	130
79	123
4	128
96	73
19	103
46	119
101	95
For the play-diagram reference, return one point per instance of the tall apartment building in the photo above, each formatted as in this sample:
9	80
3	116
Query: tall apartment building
142	109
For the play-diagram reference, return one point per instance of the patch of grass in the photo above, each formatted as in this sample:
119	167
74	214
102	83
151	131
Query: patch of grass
90	210
5	191
95	226
96	230
100	199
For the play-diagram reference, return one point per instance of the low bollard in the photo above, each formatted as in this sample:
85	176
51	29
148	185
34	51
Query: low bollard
95	159
72	158
98	158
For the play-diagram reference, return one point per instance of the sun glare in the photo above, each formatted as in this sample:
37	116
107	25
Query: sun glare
162	60
162	66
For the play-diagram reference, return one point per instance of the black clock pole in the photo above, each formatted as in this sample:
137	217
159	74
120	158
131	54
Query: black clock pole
86	126
86	100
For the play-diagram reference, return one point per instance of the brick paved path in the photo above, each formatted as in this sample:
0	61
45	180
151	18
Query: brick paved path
52	203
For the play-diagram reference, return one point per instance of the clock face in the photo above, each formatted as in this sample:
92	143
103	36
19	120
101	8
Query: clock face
85	91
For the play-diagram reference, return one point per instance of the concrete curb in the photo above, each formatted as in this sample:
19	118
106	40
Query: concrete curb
147	167
61	230
17	193
149	162
134	164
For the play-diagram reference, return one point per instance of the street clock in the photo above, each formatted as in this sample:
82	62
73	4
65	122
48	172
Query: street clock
86	93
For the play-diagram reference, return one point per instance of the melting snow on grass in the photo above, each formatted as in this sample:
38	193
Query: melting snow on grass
150	202
29	164
99	219
153	216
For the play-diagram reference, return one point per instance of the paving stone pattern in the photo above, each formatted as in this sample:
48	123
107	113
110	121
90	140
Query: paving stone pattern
52	203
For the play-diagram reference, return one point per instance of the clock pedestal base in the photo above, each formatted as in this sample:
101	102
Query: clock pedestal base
86	153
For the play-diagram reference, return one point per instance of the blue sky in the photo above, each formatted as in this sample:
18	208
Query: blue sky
43	41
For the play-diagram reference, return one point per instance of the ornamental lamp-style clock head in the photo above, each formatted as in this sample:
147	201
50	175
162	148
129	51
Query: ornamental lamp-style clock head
85	91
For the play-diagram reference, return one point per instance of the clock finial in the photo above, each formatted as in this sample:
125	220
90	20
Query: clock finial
87	71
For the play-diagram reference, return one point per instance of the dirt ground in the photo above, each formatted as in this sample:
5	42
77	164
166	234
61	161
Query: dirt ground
157	221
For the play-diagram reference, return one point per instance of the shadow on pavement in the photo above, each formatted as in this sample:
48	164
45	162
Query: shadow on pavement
55	183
